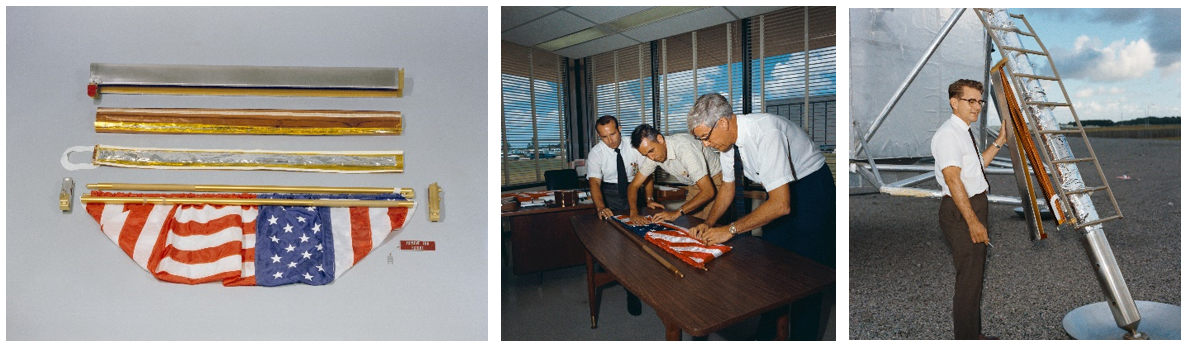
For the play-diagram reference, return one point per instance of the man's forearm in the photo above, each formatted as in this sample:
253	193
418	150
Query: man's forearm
961	198
596	193
721	202
633	194
705	193
777	204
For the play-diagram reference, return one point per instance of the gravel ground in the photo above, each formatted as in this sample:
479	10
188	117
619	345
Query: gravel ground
901	273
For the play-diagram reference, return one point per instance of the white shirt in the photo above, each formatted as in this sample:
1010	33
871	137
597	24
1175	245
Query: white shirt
770	146
951	146
687	161
601	162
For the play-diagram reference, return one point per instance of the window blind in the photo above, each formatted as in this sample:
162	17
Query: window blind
533	133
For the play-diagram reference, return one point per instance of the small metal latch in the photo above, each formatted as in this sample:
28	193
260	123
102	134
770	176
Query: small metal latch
434	202
67	195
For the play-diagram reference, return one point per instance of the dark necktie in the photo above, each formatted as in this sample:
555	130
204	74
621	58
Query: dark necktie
622	173
980	167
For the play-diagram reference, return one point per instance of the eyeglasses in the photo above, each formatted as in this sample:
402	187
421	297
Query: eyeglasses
707	134
973	102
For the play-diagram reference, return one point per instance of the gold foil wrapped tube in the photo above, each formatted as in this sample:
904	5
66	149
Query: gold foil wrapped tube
247	121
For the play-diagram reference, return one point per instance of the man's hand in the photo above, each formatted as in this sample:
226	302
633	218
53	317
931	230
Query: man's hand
605	213
712	236
655	205
636	219
666	216
977	232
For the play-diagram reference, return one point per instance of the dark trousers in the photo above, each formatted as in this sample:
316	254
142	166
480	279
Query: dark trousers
808	230
618	203
969	259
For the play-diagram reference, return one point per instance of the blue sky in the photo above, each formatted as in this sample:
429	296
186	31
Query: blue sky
1117	64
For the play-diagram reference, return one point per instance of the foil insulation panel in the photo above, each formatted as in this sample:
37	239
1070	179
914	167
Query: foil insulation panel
346	162
885	45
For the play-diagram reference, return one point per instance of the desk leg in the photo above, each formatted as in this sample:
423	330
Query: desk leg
592	287
671	332
782	324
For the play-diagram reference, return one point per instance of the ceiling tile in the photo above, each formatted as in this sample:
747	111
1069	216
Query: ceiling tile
603	14
680	24
751	11
513	16
593	47
547	28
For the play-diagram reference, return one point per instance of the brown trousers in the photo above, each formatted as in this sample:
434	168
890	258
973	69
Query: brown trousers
969	259
692	190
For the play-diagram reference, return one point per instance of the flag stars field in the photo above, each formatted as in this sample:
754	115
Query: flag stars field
317	227
306	254
290	248
292	264
272	220
288	229
301	219
276	258
304	238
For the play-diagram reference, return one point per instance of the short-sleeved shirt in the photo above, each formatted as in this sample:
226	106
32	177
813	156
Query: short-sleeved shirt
952	146
601	162
687	161
770	146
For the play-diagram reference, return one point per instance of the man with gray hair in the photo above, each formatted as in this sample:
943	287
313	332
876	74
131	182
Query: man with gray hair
798	214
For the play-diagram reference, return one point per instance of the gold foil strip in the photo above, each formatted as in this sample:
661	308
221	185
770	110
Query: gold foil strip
243	91
248	121
358	162
135	127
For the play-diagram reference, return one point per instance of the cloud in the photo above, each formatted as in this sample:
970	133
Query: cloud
1120	60
1100	91
1160	26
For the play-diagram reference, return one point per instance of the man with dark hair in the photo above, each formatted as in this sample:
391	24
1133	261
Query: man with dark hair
686	160
798	214
610	168
963	211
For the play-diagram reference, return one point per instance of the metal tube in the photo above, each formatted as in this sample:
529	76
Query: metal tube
407	192
929	168
912	76
1110	278
88	199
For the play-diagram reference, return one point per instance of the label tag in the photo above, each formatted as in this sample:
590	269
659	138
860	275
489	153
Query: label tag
416	245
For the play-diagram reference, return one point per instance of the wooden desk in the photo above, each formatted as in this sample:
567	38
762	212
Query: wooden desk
543	239
754	278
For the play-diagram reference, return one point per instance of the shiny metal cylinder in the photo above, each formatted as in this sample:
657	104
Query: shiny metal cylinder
1110	278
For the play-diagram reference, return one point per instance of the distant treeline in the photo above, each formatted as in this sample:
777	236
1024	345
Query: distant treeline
1150	120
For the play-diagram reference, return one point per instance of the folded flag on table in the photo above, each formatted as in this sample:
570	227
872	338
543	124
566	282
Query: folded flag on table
247	245
676	241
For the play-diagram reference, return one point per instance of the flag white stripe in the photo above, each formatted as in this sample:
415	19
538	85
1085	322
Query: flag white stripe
716	253
249	241
201	270
673	238
408	216
249	215
344	252
150	233
381	225
249	269
112	221
198	242
205	214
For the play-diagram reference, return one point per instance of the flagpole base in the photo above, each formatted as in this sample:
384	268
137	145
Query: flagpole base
1095	321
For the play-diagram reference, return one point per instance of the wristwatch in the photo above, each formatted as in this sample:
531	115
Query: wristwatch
732	232
681	211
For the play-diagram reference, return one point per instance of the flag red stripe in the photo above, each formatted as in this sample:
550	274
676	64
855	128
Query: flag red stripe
163	276
96	210
130	232
397	215
240	281
360	232
213	226
159	246
206	255
249	255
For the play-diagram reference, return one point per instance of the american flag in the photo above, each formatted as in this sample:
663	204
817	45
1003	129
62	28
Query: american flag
676	241
248	245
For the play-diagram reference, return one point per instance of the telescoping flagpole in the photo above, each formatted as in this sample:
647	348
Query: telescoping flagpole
406	192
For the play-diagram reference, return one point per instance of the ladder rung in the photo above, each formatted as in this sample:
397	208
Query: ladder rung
1059	131
1041	77
1017	16
1034	52
1099	221
1086	190
1065	161
1014	30
1048	104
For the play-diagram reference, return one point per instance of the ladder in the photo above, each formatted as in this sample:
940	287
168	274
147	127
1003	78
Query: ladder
1058	157
1043	126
